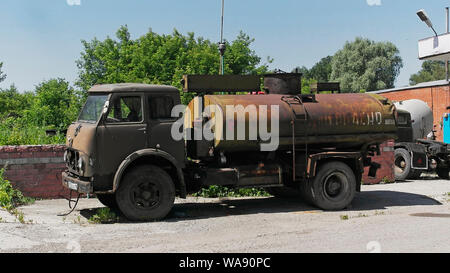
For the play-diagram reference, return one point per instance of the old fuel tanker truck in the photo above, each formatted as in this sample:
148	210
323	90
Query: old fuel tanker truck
415	151
135	151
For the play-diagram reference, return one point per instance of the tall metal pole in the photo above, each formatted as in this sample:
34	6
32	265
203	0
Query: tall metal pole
222	46
448	30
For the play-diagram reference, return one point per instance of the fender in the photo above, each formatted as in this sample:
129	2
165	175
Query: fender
419	154
150	152
357	157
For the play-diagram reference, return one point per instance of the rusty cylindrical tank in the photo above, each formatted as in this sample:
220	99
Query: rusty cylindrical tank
322	120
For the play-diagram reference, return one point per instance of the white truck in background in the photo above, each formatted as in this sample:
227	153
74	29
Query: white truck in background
416	150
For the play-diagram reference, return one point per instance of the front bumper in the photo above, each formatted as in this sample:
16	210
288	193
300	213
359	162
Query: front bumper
75	184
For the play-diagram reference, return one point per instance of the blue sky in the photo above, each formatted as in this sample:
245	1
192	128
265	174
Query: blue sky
40	39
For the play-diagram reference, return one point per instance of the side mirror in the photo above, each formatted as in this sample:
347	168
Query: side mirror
104	111
105	108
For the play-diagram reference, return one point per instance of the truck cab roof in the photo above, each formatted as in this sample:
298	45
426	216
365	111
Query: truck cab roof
132	87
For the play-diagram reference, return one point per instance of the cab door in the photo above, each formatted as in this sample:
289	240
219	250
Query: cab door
160	125
122	132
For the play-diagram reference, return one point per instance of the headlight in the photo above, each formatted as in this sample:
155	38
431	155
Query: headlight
80	164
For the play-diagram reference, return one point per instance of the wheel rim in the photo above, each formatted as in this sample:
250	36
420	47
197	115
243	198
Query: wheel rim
334	185
400	164
145	195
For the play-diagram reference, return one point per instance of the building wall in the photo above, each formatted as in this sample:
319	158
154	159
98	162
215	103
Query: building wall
437	98
35	170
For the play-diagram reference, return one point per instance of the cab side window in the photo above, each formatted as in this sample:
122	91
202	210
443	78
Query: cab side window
160	107
125	109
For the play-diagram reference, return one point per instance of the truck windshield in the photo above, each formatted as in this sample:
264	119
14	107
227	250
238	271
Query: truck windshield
92	110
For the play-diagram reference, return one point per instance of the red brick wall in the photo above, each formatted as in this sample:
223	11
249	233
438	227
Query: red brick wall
437	98
386	160
35	170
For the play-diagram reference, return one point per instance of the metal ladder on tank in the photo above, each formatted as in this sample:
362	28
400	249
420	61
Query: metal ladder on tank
292	100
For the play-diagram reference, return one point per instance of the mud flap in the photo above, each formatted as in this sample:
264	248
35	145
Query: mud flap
419	158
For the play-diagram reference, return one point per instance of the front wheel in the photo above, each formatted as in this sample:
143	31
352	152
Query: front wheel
146	193
334	186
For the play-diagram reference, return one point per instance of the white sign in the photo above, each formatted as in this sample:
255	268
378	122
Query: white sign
435	48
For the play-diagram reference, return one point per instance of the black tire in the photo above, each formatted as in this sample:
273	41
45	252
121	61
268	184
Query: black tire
415	174
306	191
402	164
334	186
109	200
443	173
283	192
146	193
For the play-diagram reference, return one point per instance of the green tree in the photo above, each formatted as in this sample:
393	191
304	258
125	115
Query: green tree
431	71
365	65
321	71
2	75
13	103
56	104
161	59
303	70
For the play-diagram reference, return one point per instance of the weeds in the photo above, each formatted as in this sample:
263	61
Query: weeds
386	180
344	217
103	216
219	191
11	198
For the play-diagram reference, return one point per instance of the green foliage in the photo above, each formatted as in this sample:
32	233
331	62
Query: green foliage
306	85
12	132
103	216
161	59
24	117
219	191
366	65
320	72
56	104
2	75
387	180
11	198
431	71
13	103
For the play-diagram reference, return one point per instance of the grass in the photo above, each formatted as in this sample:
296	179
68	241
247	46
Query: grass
219	191
103	216
11	199
386	180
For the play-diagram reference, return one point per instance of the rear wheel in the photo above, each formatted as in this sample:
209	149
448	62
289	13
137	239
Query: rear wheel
333	188
108	200
402	164
146	193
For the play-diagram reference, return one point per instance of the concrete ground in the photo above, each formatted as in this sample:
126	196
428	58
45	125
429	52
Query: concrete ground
410	216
